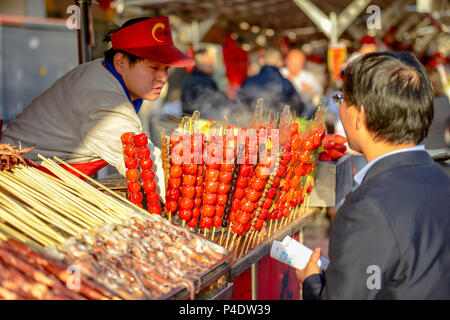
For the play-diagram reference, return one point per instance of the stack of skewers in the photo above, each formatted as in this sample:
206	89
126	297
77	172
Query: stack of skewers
131	252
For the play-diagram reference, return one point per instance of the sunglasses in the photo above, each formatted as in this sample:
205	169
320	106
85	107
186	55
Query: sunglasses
338	98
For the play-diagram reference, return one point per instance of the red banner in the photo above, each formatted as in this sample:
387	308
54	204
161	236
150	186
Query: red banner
236	62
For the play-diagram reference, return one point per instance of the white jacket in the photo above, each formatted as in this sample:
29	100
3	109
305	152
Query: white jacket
80	118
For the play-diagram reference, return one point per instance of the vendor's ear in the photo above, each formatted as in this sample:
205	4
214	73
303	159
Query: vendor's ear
121	63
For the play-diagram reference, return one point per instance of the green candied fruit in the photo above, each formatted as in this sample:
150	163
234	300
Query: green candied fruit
302	124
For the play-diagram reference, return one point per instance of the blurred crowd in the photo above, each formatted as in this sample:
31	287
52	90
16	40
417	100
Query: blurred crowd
287	77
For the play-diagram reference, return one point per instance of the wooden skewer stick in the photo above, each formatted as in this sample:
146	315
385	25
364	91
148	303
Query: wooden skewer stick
283	220
80	198
61	198
232	242
228	235
38	198
221	236
288	218
213	233
29	219
107	208
102	186
253	236
291	216
270	227
258	235
275	226
7	231
246	238
26	229
237	247
260	238
307	203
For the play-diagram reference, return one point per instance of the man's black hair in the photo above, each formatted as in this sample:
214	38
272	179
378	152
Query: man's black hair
396	93
110	53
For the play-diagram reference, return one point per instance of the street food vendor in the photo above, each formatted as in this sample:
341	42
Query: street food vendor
82	116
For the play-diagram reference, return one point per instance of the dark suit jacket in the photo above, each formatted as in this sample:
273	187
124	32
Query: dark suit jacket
397	220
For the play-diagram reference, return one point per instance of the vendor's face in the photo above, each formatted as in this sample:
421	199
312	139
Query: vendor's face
144	79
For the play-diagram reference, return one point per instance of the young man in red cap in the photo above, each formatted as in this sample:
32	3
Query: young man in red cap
81	117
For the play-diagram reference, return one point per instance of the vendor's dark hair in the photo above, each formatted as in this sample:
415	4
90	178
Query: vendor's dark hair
110	53
396	93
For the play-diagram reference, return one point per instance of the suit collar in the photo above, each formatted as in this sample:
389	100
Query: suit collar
410	158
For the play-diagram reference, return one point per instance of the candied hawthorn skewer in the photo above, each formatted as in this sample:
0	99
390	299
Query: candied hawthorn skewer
132	173
198	157
175	173
211	185
147	173
188	182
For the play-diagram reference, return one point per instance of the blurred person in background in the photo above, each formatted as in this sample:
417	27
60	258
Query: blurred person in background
200	91
255	61
367	45
436	135
270	85
304	81
390	238
82	116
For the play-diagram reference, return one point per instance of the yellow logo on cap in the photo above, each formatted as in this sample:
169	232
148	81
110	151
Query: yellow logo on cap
156	27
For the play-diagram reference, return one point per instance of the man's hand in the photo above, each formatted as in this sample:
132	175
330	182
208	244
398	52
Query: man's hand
310	268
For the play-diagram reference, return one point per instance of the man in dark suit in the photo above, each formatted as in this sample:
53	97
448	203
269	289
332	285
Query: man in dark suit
391	237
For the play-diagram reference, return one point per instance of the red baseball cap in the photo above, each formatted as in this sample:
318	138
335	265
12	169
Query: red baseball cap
151	39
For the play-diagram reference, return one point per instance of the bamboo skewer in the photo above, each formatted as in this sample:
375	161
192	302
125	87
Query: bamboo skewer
18	208
252	245
246	238
69	191
232	242
259	239
213	233
270	227
249	243
8	231
23	227
33	198
30	220
275	226
58	192
228	235
58	206
94	190
237	248
221	236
